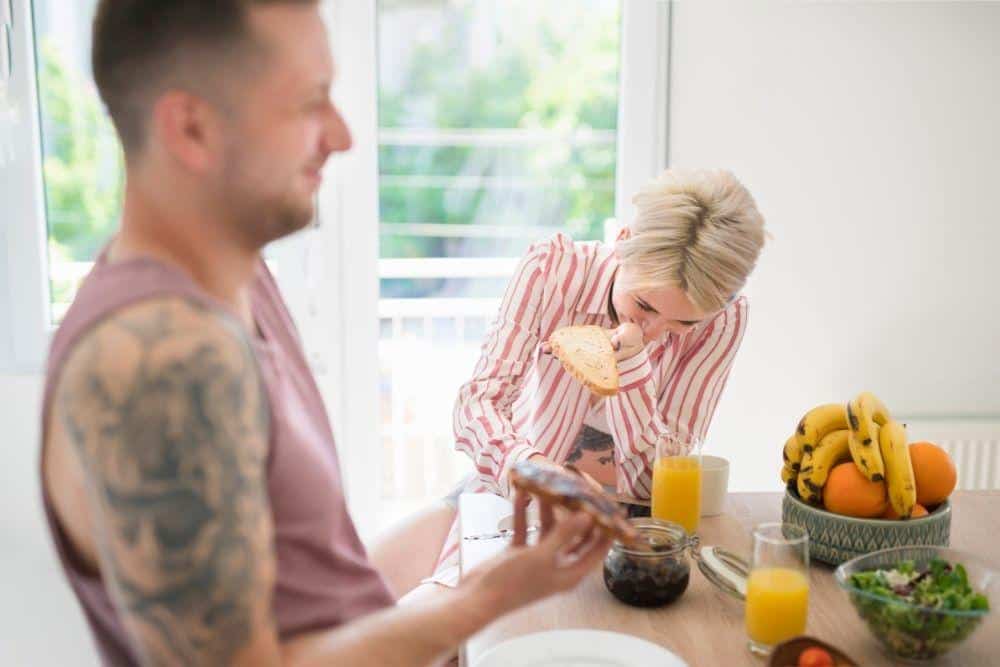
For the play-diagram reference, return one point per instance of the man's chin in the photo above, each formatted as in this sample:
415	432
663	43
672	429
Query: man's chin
283	223
294	217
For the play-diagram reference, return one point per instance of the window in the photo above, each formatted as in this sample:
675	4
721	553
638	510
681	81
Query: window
480	126
81	158
497	128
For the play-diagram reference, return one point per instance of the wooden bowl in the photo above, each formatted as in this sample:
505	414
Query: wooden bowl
786	654
836	539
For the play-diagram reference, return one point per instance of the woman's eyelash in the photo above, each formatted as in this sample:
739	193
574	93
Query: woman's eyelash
645	306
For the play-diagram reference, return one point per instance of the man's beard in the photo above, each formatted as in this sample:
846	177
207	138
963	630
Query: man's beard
259	221
258	216
286	217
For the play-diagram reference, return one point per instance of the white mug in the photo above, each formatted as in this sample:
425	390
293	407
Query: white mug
714	483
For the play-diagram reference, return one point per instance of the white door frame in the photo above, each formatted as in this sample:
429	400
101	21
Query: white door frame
347	308
643	99
24	284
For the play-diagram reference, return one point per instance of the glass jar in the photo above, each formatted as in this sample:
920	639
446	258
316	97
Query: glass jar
656	571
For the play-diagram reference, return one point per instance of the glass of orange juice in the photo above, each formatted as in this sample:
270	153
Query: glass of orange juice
777	601
677	481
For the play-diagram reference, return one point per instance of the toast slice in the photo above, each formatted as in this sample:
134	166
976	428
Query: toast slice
571	489
586	353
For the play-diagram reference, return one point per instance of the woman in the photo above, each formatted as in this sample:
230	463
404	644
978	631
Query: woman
668	288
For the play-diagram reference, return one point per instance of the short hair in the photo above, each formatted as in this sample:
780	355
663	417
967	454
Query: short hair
698	230
590	440
139	47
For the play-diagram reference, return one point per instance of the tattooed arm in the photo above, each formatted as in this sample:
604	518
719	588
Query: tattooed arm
164	408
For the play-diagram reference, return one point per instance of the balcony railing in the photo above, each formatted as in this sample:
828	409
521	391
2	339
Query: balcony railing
428	346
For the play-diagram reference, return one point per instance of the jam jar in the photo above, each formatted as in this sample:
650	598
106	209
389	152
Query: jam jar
655	571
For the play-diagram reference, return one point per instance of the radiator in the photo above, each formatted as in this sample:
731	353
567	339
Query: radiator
974	445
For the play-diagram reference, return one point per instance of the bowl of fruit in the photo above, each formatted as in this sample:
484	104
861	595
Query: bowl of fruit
920	602
857	485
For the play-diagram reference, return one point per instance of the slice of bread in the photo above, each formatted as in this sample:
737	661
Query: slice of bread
586	353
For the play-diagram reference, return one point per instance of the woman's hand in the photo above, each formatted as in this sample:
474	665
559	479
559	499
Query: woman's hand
627	341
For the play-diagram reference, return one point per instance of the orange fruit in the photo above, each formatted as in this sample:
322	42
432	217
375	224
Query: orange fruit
934	473
918	510
848	492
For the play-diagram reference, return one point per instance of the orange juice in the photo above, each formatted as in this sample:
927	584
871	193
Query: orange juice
777	604
677	490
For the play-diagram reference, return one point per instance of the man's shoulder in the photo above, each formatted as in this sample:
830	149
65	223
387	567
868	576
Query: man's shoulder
158	344
128	331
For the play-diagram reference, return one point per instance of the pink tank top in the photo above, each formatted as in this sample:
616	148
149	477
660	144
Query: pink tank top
323	578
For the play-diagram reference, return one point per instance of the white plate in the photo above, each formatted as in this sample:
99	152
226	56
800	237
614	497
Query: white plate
578	648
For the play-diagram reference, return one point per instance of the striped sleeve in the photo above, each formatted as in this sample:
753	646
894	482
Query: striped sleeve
684	404
482	415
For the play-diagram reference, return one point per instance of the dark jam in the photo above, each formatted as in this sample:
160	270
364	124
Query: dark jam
637	510
651	577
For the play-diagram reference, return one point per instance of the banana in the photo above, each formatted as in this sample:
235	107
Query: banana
816	465
789	477
817	423
898	468
867	459
864	415
792	453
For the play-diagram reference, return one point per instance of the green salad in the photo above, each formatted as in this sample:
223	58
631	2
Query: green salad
910	608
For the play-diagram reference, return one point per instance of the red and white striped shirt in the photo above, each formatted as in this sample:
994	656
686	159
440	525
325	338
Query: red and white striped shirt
520	402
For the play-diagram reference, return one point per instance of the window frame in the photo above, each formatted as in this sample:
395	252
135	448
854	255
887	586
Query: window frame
643	109
24	284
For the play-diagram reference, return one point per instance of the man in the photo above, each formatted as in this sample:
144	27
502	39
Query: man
190	478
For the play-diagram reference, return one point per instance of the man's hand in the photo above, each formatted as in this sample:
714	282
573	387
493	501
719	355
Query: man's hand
627	341
544	461
420	632
568	548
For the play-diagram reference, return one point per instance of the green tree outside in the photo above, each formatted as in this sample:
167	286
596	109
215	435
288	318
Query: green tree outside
82	165
553	70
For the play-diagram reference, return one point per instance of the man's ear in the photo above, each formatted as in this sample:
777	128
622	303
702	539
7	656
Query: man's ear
188	129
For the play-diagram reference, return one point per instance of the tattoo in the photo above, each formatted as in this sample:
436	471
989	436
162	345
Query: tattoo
165	406
592	440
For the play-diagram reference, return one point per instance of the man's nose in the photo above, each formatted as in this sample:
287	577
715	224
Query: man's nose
337	138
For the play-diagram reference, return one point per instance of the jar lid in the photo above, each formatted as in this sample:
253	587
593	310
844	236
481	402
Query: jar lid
725	570
657	538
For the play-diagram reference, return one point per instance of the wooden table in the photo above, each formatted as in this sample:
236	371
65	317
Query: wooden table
705	627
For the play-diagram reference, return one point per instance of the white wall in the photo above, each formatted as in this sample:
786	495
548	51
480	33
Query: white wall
869	134
40	621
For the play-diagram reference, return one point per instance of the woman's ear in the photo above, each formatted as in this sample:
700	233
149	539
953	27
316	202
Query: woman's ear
624	234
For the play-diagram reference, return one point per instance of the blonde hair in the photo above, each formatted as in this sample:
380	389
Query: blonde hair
698	230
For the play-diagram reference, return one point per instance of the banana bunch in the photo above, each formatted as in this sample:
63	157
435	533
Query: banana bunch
861	431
